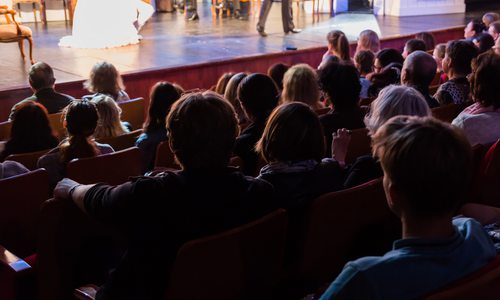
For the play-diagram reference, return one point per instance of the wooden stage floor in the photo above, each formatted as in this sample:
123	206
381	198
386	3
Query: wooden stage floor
170	41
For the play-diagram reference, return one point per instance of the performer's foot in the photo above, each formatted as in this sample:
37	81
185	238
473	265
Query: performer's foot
194	17
294	30
261	31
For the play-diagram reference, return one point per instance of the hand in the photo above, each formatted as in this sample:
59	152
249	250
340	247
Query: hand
64	188
340	143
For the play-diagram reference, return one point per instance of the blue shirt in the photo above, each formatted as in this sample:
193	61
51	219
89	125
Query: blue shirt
415	267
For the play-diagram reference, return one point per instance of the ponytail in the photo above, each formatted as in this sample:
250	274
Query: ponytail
77	146
343	48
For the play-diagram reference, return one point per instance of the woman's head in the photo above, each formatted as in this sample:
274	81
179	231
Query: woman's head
438	54
338	44
428	38
292	133
109	112
300	84
220	88
104	78
368	40
202	129
231	95
341	83
276	72
458	57
258	96
163	95
484	80
393	101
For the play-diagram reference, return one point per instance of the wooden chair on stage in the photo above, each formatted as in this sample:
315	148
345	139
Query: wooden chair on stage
12	32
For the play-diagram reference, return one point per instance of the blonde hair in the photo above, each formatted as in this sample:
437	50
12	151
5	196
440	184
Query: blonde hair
368	40
300	84
109	124
104	78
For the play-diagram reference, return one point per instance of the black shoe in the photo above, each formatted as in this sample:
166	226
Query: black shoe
194	17
294	30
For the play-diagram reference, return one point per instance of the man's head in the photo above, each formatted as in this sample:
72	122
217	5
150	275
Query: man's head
494	30
412	46
387	56
473	28
427	166
458	57
419	69
490	17
202	129
41	76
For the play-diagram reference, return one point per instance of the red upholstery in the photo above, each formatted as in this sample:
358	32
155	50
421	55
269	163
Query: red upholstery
446	113
123	141
360	145
242	263
29	160
486	184
114	168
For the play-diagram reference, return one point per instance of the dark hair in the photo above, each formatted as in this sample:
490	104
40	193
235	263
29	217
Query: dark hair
30	130
496	26
419	69
485	41
364	60
41	75
202	129
277	72
461	54
163	95
390	74
258	95
341	84
293	133
428	161
477	26
415	45
389	55
484	82
231	95
220	88
428	38
338	41
81	121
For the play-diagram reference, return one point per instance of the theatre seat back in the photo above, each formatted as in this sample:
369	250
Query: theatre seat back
133	111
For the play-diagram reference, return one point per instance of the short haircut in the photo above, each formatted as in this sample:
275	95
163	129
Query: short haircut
202	129
428	38
484	81
477	26
395	100
440	50
496	26
461	54
339	43
364	60
276	72
419	69
485	42
369	40
341	83
292	133
41	76
300	84
258	95
415	45
104	78
428	162
388	56
490	17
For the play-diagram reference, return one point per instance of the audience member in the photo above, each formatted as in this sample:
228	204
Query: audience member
368	40
489	18
11	168
293	146
163	95
457	65
439	54
427	171
484	42
387	66
300	84
494	30
30	130
258	96
42	83
164	212
277	72
109	123
363	60
231	95
412	46
220	88
473	28
80	119
481	121
428	38
340	83
105	79
338	46
419	70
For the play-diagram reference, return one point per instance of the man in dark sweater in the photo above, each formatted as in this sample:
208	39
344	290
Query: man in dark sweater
164	212
42	82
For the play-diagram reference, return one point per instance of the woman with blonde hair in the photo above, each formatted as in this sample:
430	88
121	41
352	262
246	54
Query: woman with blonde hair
368	40
300	84
109	124
105	79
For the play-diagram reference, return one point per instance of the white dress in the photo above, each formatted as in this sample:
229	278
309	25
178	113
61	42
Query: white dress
106	23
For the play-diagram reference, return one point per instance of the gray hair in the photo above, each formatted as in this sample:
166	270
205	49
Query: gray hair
395	100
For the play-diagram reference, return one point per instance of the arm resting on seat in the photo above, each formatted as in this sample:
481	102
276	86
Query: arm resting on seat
11	261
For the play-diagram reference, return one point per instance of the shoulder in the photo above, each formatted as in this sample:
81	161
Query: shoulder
350	284
11	168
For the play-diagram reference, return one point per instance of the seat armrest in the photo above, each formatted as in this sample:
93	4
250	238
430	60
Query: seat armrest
13	262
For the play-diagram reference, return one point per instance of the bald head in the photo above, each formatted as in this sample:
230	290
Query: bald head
419	69
41	76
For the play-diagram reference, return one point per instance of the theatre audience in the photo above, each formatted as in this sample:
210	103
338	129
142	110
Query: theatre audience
231	95
473	28
457	66
277	72
164	212
300	84
80	119
368	40
481	121
30	131
258	96
494	30
428	38
109	123
436	249
163	95
10	168
363	60
220	88
489	18
105	79
439	54
338	46
484	42
387	67
412	46
419	70
42	82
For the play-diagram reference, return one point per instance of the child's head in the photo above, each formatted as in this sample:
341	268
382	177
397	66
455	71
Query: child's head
364	61
438	54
